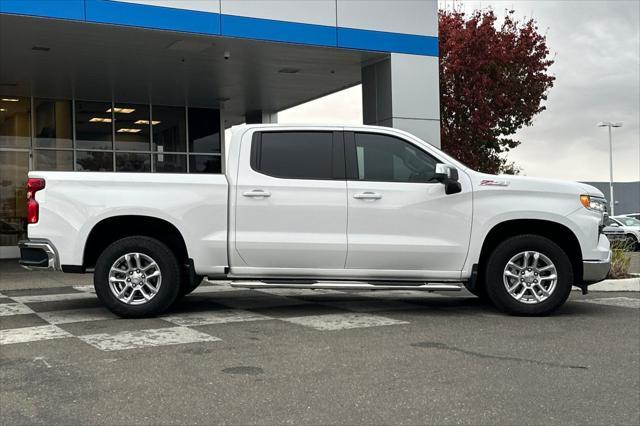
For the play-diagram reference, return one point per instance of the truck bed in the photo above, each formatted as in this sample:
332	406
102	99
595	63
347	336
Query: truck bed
72	203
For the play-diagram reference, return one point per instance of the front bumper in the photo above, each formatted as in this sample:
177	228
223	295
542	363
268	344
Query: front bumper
38	255
594	271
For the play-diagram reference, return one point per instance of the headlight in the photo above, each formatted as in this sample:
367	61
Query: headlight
593	203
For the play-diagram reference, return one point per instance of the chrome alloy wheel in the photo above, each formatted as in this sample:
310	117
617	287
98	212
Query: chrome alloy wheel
530	277
135	278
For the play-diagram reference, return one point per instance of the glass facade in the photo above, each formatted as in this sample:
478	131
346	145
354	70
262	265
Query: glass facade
88	135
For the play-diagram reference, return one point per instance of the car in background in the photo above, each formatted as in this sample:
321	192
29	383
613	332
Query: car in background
633	215
614	233
629	226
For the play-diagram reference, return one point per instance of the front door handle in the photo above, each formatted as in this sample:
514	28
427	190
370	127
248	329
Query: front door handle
257	193
367	196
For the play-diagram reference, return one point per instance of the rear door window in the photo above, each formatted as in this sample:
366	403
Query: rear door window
298	155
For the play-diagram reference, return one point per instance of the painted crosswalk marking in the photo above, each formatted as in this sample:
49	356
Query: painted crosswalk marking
7	309
31	334
146	338
624	302
76	315
179	327
58	297
194	319
333	322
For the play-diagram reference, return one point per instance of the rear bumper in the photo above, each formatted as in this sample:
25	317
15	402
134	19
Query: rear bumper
38	255
594	271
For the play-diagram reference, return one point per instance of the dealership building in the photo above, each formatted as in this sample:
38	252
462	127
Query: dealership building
150	85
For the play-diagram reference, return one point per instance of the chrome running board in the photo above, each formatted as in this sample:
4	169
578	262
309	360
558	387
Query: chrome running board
347	285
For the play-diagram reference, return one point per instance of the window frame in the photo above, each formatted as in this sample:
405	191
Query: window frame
351	157
338	164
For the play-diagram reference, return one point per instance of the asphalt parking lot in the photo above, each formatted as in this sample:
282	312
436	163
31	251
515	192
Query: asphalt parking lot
239	356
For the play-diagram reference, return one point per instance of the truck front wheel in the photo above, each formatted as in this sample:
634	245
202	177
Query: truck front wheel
137	277
528	275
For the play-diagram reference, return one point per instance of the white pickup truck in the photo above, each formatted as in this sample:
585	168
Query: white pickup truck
320	207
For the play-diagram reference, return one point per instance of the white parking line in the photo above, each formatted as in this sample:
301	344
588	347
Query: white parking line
31	334
53	297
76	315
8	309
624	302
333	322
85	288
192	319
146	338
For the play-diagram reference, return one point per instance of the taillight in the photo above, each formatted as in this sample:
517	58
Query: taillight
33	185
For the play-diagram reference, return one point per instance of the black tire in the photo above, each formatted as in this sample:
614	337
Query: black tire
498	260
632	243
165	260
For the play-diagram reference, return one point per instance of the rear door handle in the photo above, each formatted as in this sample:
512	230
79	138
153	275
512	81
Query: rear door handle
257	193
367	196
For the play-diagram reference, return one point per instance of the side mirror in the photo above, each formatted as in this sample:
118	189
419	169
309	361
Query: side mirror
615	225
445	171
448	176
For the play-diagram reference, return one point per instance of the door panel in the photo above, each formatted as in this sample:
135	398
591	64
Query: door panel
399	217
292	223
412	226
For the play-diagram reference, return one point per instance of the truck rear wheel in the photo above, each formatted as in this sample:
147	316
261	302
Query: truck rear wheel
137	277
528	275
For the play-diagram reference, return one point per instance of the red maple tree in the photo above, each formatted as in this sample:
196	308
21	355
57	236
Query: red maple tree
493	81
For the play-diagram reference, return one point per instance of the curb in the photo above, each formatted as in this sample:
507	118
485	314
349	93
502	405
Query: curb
627	284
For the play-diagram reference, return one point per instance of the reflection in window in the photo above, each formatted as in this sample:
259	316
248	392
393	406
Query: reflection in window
132	126
204	164
94	125
169	129
15	122
53	124
204	130
53	160
13	175
385	158
132	162
171	163
94	161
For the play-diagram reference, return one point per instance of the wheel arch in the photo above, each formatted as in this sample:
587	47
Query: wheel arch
556	232
113	228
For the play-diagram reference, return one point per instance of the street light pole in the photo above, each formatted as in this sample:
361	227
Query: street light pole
610	124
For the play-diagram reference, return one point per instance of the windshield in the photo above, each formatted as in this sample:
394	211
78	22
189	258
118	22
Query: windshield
629	221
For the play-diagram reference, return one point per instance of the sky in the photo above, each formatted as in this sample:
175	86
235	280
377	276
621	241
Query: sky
596	45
